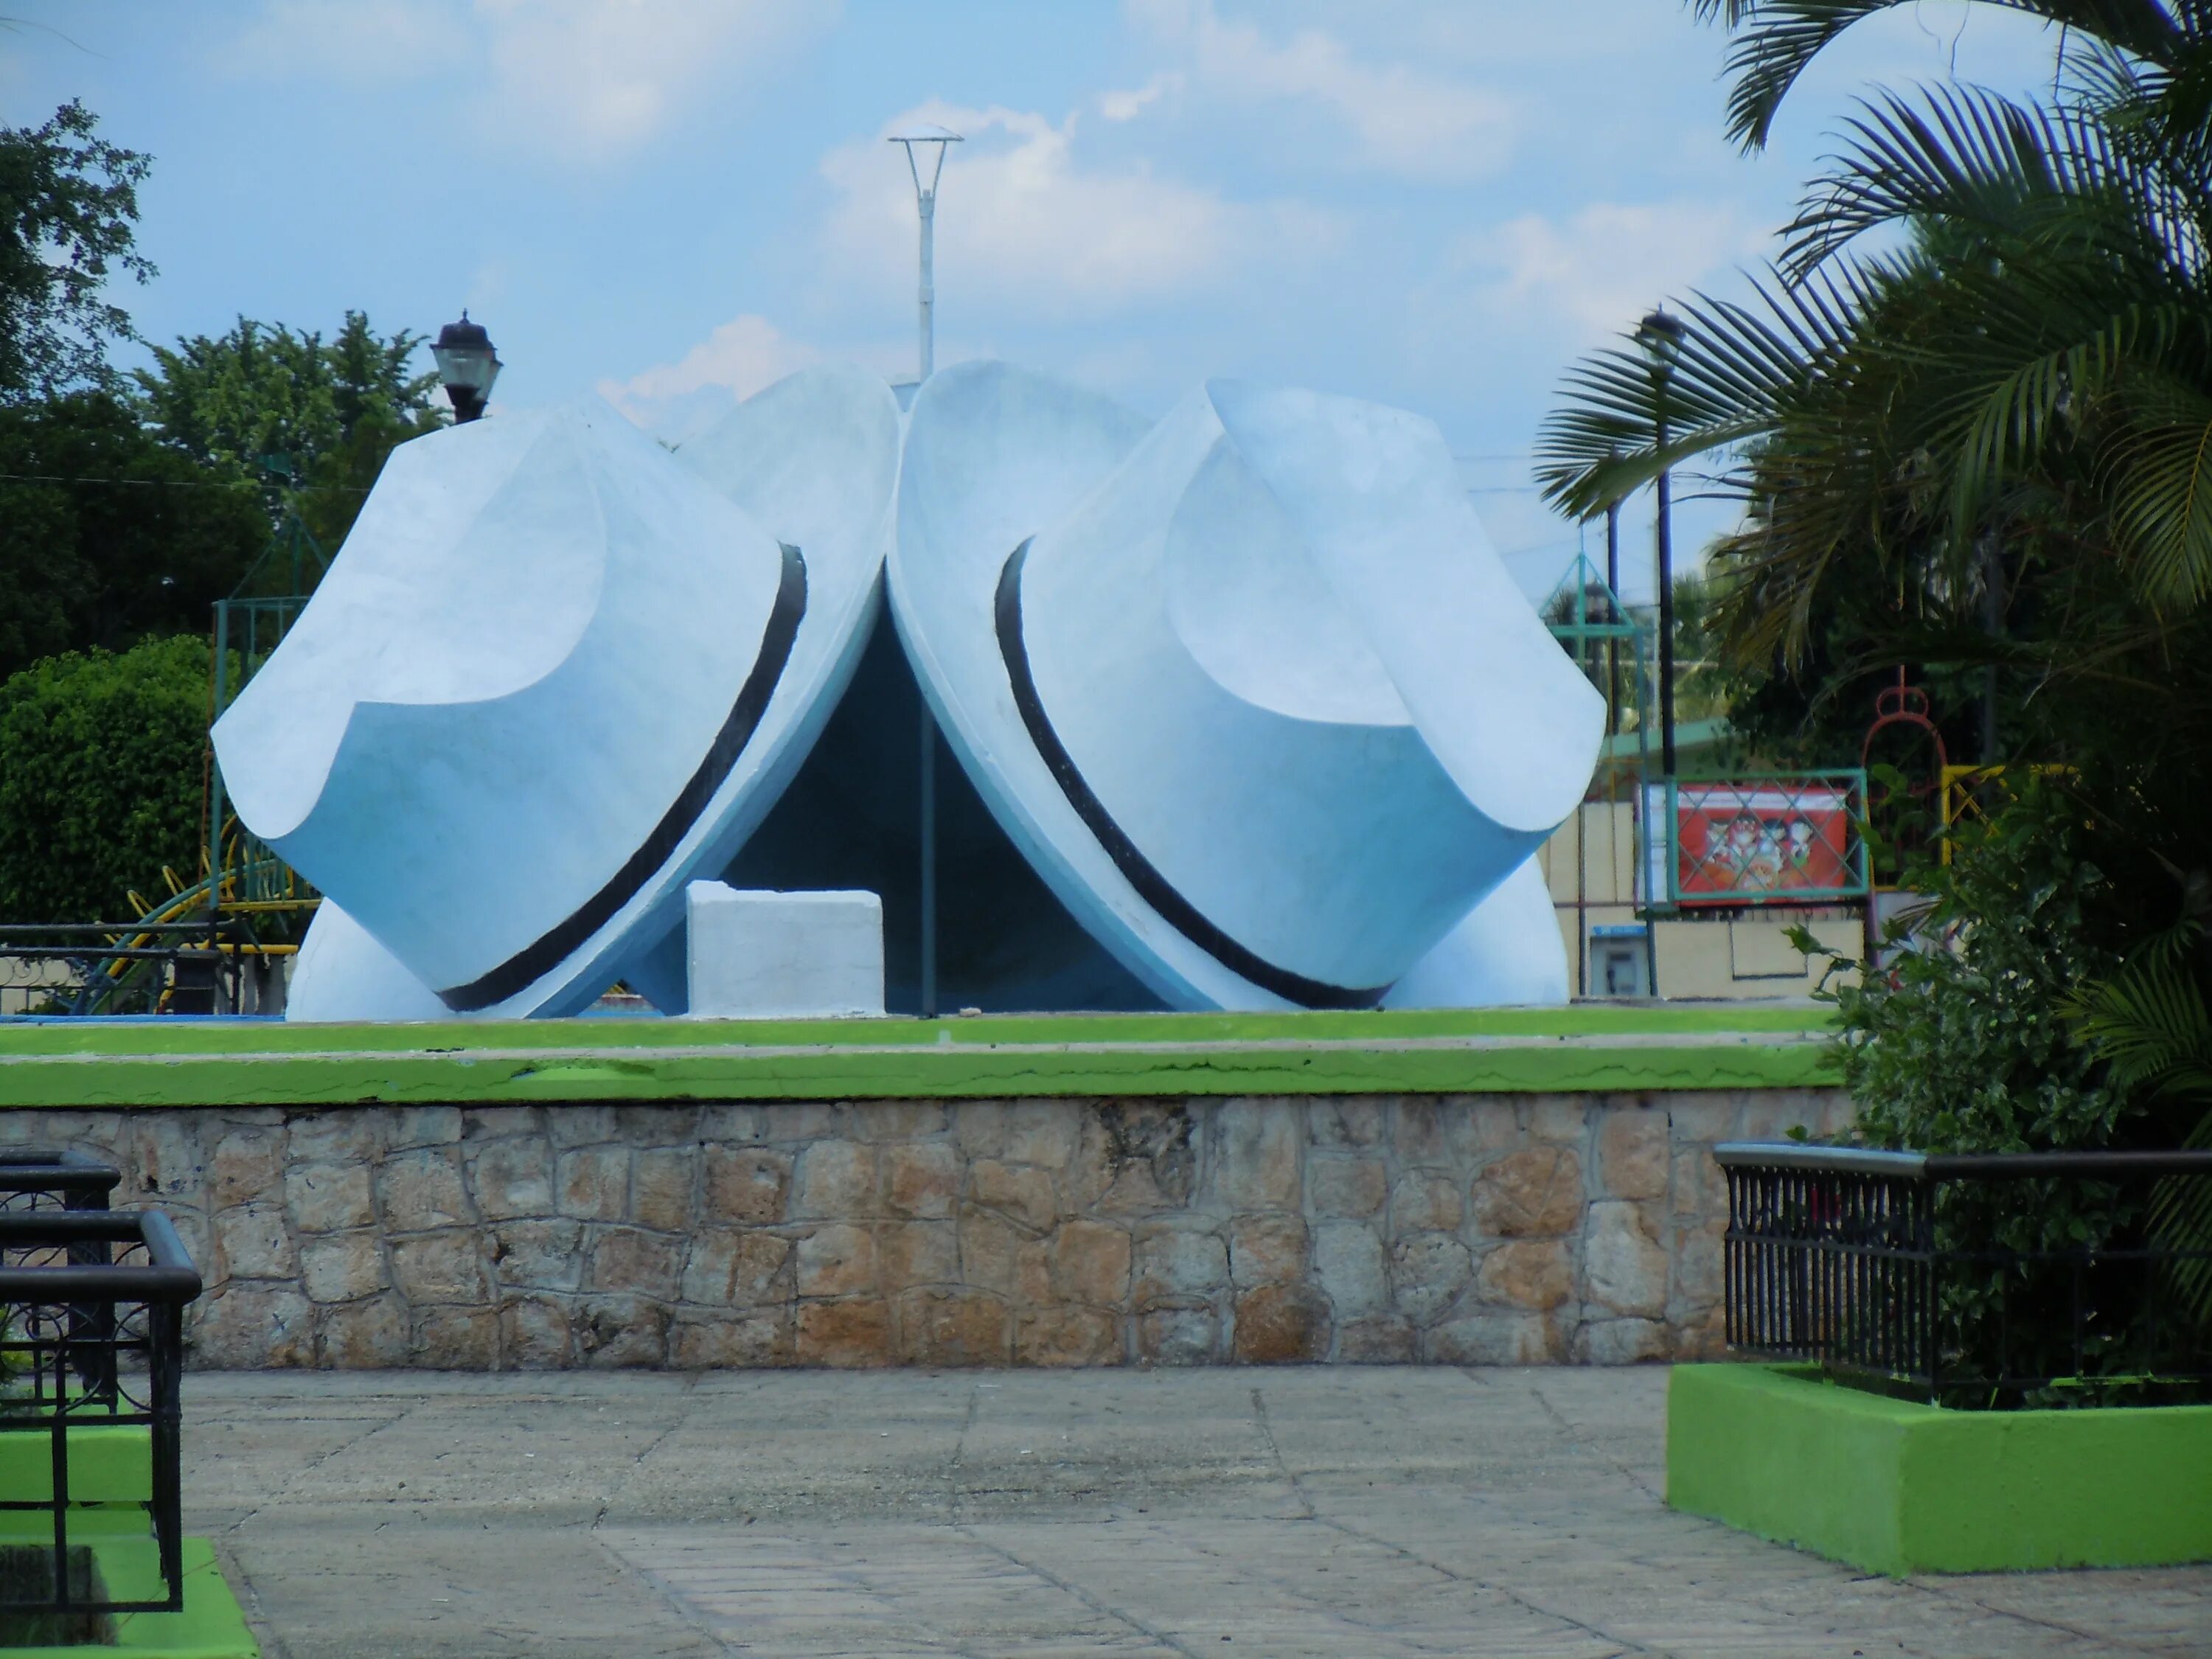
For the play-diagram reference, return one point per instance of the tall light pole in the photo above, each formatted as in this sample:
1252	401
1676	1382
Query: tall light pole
1661	337
924	197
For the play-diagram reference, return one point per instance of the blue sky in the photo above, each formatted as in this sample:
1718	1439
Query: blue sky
1436	204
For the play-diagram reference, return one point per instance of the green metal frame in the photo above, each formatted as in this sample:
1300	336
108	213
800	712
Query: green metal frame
1662	846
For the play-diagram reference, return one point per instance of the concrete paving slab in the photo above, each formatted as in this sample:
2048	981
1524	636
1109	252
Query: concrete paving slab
1374	1513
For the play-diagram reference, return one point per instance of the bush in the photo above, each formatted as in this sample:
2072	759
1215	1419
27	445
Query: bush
1967	1043
100	778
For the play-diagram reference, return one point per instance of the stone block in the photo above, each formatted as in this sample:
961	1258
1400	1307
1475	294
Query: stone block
1022	1194
1134	1157
1620	1342
538	1255
1699	1188
480	1123
884	1120
1699	1266
328	1198
250	1241
370	1335
1257	1157
913	1253
1536	1193
165	1155
728	1268
1427	1272
421	1126
1067	1336
990	1251
1631	1152
1384	1339
836	1260
729	1343
534	1332
248	1168
1426	1203
747	1185
621	1331
419	1190
732	1125
1535	1274
1339	1123
834	1180
1281	1325
440	1267
1267	1249
1560	1120
1505	1339
456	1339
953	1328
513	1178
847	1335
1045	1133
1696	1116
1431	1132
657	1123
979	1127
920	1178
782	956
1345	1188
1350	1267
342	1267
1624	1266
593	1184
1178	1336
1771	1114
630	1259
246	1326
334	1134
574	1124
1495	1122
1176	1264
660	1185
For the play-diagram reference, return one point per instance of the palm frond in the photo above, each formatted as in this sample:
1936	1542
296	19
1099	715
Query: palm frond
1776	41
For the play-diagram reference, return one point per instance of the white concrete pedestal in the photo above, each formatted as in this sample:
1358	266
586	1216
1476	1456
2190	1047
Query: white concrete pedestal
783	956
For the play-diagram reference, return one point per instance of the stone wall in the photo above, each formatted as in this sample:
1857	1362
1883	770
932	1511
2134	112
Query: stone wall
1479	1229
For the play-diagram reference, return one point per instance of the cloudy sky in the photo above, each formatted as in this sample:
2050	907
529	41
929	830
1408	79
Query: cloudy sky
1437	204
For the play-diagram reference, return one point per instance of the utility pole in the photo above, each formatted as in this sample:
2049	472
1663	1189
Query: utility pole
924	197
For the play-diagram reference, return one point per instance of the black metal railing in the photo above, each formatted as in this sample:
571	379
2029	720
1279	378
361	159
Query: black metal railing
51	1178
1939	1275
93	1302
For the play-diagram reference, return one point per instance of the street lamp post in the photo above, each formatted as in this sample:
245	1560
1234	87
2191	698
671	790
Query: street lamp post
467	366
1661	337
924	197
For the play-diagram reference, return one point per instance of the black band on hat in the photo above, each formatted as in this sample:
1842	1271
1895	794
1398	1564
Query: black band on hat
535	960
1151	886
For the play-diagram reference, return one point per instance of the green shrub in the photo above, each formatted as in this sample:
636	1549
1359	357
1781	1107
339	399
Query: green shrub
1965	1043
100	778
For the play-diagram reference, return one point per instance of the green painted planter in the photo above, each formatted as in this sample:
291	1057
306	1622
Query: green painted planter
1899	1488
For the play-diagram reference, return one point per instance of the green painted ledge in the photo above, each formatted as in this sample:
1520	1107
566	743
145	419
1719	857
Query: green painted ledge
1580	1049
1899	1488
211	1626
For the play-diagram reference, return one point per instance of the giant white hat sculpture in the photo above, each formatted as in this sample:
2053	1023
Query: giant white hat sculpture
1249	688
551	676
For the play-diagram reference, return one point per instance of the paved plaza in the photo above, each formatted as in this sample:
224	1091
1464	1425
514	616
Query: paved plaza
1365	1513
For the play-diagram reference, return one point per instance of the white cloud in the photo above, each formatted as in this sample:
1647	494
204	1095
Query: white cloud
1127	105
573	80
350	39
673	400
1600	268
1023	219
1401	119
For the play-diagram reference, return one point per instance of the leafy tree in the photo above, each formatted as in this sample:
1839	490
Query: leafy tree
310	419
68	205
100	778
106	534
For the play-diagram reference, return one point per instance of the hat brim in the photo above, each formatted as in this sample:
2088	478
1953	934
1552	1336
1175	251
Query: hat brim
995	454
814	460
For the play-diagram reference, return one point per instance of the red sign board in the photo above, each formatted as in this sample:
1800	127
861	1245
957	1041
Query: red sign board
1746	843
